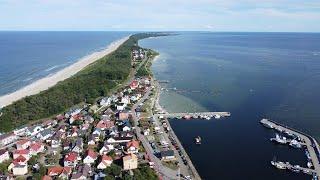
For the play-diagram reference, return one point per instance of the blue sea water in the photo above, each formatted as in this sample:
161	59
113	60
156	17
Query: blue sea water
28	56
252	75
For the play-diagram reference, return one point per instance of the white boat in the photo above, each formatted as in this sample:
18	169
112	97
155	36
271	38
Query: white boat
198	140
309	164
217	116
279	164
279	139
294	143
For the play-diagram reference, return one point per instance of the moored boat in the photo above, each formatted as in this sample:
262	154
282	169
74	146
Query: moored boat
198	140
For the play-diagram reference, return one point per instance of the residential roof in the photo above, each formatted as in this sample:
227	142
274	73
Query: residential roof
46	177
4	136
35	146
22	151
133	143
92	154
106	158
129	157
23	141
71	156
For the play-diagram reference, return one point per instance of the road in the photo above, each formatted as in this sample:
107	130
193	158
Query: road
164	172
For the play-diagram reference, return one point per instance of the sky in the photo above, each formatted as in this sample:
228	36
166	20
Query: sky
161	15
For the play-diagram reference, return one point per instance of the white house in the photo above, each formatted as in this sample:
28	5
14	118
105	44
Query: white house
106	148
31	131
91	157
105	162
20	131
6	139
105	101
19	170
4	155
23	144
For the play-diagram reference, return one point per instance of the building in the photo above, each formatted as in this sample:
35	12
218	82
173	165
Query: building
45	134
59	171
91	157
4	155
23	152
167	155
132	146
33	130
130	162
105	162
71	159
6	139
19	170
36	147
23	144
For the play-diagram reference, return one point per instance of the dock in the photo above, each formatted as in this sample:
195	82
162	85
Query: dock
310	143
194	114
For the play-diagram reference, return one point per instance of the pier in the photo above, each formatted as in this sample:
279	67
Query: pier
195	114
309	142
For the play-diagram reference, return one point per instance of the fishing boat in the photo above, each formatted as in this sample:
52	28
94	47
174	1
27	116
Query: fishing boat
198	140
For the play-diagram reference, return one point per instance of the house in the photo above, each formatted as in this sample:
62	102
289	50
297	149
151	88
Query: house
130	162
167	155
19	170
71	159
4	155
134	84
83	172
58	171
49	123
112	140
75	118
24	152
72	112
146	132
78	146
6	139
90	157
21	131
66	145
125	100
106	148
23	144
36	147
88	119
33	130
105	101
97	131
56	140
105	162
121	106
132	146
123	115
91	140
45	134
126	128
85	126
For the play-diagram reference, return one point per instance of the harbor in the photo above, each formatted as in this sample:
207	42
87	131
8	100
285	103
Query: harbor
301	140
195	115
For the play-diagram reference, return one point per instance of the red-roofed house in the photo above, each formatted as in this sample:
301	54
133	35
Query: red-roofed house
134	84
71	159
91	157
24	152
106	161
59	171
132	146
36	147
23	144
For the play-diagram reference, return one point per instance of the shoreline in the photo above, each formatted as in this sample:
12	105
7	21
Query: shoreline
65	73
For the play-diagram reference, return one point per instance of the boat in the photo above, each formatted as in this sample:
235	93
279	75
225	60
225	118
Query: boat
296	168
294	143
279	139
309	164
308	154
187	117
198	140
279	164
217	116
207	117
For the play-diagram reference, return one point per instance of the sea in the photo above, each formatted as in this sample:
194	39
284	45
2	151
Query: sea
251	75
28	56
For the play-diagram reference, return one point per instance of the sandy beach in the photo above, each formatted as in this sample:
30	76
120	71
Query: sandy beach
49	81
